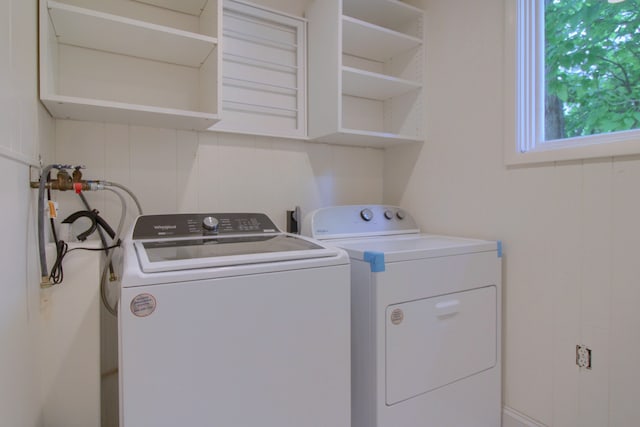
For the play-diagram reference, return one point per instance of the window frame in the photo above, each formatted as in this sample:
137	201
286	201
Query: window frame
524	80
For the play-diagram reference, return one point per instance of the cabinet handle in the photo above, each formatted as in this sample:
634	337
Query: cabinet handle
447	308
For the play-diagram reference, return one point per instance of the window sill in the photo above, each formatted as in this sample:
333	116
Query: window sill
598	146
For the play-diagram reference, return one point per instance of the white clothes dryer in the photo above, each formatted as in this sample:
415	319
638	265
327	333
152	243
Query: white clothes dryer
226	321
426	315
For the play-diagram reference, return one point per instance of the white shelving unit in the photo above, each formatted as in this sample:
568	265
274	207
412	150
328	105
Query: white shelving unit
392	14
190	7
366	72
365	84
100	61
263	71
366	40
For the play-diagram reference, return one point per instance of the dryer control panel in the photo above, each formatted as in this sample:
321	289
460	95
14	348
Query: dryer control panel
358	220
201	224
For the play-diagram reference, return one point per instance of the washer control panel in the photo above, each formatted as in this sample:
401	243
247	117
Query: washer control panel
210	223
190	225
358	220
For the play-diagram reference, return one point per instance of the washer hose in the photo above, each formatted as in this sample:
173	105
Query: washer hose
103	238
44	272
45	280
125	189
116	239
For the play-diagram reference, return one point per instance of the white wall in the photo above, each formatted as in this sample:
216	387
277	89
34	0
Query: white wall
570	230
183	171
25	130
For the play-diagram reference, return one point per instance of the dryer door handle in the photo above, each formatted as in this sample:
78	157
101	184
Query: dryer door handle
447	308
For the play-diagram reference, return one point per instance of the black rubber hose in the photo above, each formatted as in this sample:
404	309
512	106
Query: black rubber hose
103	238
51	221
44	272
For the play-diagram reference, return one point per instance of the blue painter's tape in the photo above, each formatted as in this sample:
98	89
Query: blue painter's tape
376	260
499	248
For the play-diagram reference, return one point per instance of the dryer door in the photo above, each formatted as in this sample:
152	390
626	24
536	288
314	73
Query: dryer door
435	341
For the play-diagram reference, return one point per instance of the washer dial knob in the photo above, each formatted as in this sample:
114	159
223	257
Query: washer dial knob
400	215
366	214
388	214
210	223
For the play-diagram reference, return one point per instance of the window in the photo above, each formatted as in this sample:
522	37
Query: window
577	78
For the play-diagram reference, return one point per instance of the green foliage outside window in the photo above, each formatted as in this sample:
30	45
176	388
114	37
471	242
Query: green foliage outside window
592	65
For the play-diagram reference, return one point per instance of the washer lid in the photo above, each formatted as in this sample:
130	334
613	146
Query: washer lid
185	254
189	241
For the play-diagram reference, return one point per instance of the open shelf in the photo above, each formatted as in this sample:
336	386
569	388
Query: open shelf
371	41
366	84
102	31
366	81
385	13
365	138
65	107
190	7
126	65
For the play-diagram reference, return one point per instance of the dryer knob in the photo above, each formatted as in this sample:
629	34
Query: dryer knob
366	214
400	214
210	223
388	214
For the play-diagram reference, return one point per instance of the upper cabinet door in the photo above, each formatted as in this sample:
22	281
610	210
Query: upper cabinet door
263	71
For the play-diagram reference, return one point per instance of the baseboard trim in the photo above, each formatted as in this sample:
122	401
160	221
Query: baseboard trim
513	418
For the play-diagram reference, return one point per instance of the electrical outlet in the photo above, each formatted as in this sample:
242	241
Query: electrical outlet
583	356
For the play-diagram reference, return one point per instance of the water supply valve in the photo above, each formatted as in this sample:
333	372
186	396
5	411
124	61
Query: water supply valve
65	182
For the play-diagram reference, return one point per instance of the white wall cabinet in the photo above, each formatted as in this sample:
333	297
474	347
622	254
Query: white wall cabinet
148	62
263	71
366	72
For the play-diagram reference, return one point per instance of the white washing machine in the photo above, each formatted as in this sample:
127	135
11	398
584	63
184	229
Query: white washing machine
425	320
224	321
